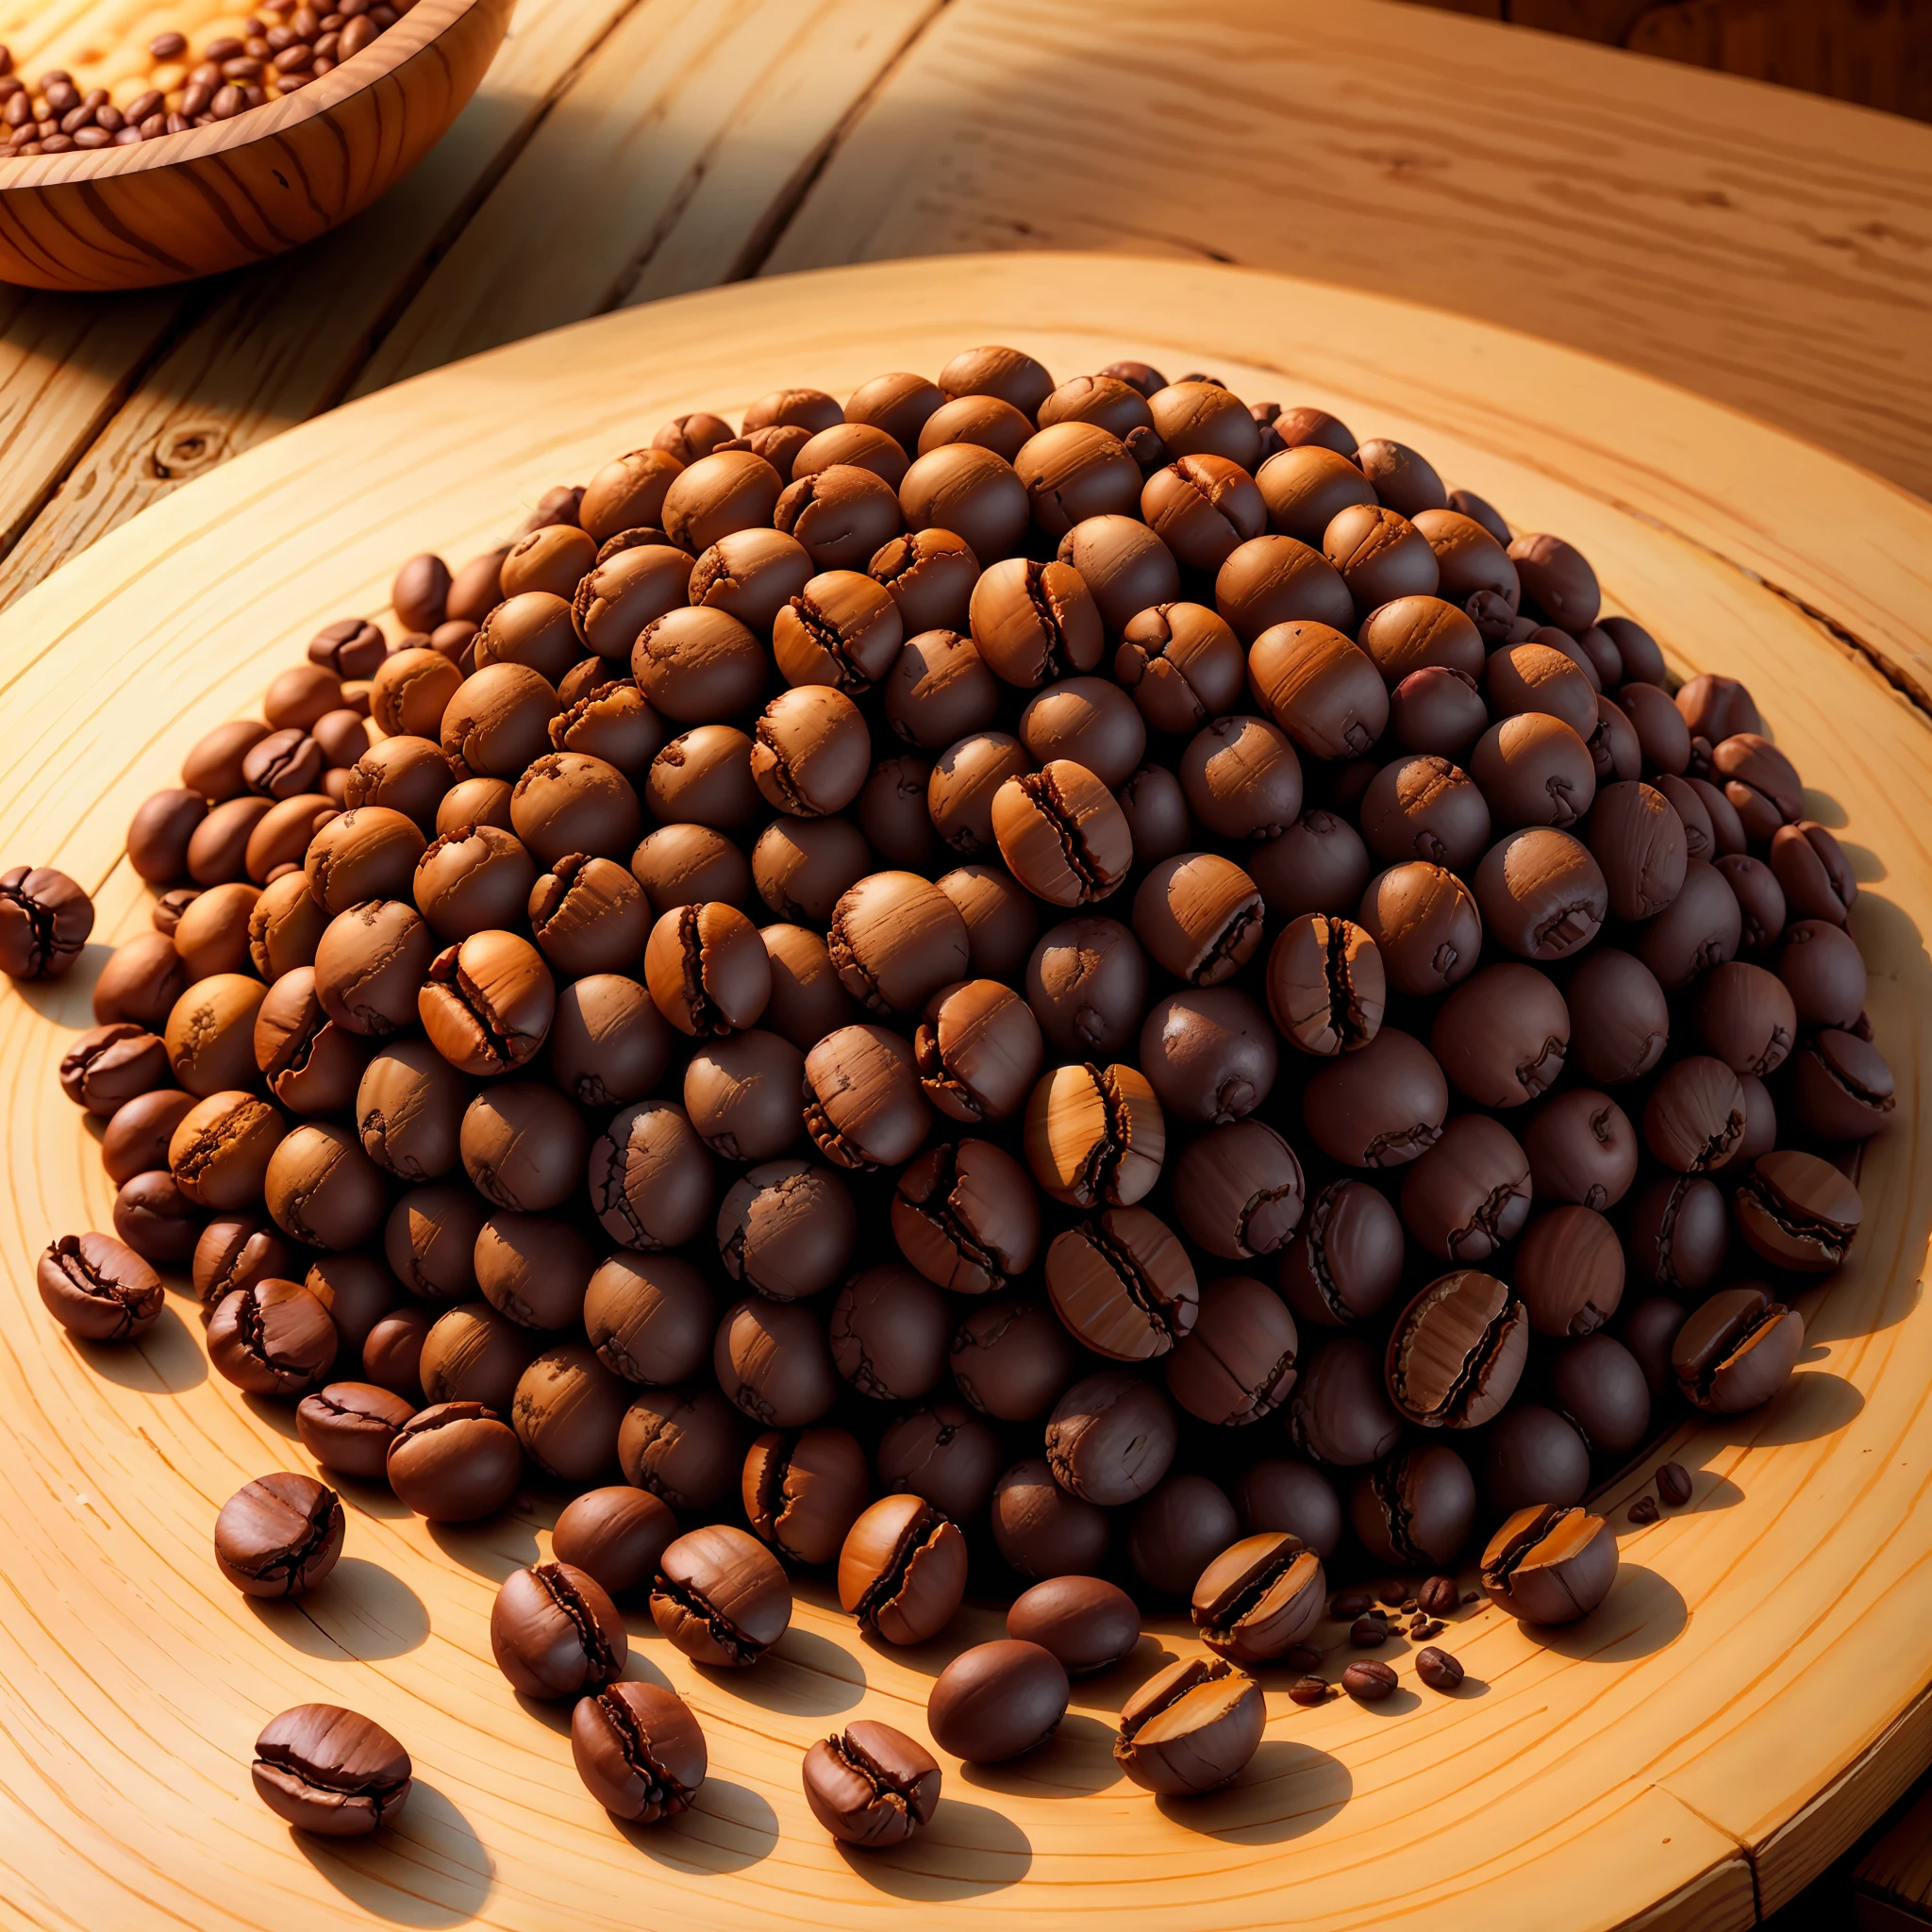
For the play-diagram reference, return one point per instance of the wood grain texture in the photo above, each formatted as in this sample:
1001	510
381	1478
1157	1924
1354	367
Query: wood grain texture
272	345
242	190
1897	1871
656	168
1759	1647
1769	250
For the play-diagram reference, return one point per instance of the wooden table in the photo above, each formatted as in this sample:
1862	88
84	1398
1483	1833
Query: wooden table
1768	249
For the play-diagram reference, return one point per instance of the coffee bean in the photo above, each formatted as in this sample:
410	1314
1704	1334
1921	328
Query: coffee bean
902	1570
1123	1285
330	1770
864	1106
1011	1359
524	1146
1087	1623
1738	1349
348	1427
1582	1149
1309	1692
1190	1727
1061	834
1369	1681
279	1535
1416	1509
155	1219
44	921
997	1701
1438	1669
98	1289
1674	1485
771	1363
1087	985
554	1632
1259	1598
639	1750
803	1491
1550	1564
871	1785
1111	1438
787	1229
1457	1351
455	1462
887	1329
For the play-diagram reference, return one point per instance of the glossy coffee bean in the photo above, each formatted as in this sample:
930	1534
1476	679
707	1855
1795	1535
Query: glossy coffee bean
1039	1530
1123	1285
1086	1623
1550	1564
870	1785
997	1701
99	1289
902	1570
1416	1509
1259	1598
1457	1351
455	1462
639	1750
1239	1190
721	1596
1190	1727
554	1632
1798	1211
330	1770
348	1427
1736	1351
1111	1437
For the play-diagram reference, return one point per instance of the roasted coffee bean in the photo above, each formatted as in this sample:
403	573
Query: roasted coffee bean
1090	722
1061	834
787	1229
554	1632
1619	1019
1534	769
1320	689
1638	840
1599	1386
902	1570
1798	1213
1416	1509
1503	1036
279	1535
963	784
1542	894
1239	1190
1259	1598
1843	1088
929	575
1746	1017
1677	1231
1382	1106
1437	711
212	933
369	852
1438	1669
1123	1285
842	629
1087	1624
944	1453
803	1490
1550	1564
864	1106
970	490
707	970
44	921
941	689
271	1338
1087	984
1694	1117
1238	1363
741	1094
1700	928
1182	664
615	1536
1011	1360
138	1130
1210	1054
322	1189
1177	1531
887	1330
1457	1351
141	981
1348	1259
219	1153
1241	778
1111	1437
589	915
1095	1136
639	1751
1738	1349
330	1770
1469	1192
370	965
651	1178
1674	1485
1190	1727
965	1216
977	1049
721	1596
808	999
1427	808
455	1462
348	1427
684	1446
803	867
1326	987
772	1362
870	1785
488	1003
1039	1530
473	1353
1569	1271
1424	924
430	1240
99	1289
473	878
1533	1455
997	1701
1318	864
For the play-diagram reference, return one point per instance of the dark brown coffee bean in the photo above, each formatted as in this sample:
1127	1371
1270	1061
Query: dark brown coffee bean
109	1066
455	1462
1798	1213
1438	1669
1694	1117
1087	1624
1416	1509
1061	834
1039	1530
1238	1363
1533	1455
1182	664
707	970
1382	1106
887	1330
1457	1351
348	1427
1241	778
155	1219
1542	894
902	1570
1177	1531
44	921
1123	1285
803	1491
1011	1359
138	1130
330	1770
161	833
322	1189
273	1338
369	852
1550	1564
771	1363
219	1153
639	1751
1620	1020
871	1785
1469	1192
1111	1437
1239	1190
1534	769
1599	1386
1638	840
842	629
1425	924
1190	1727
997	1701
1843	1089
864	1106
1738	1349
1674	1485
554	1632
1259	1598
279	1535
1210	1054
141	981
965	1216
1087	985
99	1289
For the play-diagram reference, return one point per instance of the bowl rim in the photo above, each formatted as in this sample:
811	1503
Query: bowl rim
424	23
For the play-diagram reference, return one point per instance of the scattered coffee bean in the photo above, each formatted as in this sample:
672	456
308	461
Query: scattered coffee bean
279	1535
330	1770
870	1785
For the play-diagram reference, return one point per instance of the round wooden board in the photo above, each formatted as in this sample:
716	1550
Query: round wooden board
1751	1691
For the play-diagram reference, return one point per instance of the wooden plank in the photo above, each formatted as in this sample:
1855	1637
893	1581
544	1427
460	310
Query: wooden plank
272	345
662	163
1770	251
1754	1643
1896	1874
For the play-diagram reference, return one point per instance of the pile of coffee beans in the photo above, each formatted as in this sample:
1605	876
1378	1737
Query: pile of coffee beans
1080	992
282	48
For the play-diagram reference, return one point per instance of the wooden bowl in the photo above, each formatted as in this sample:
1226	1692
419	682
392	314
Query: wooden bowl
239	190
1751	1695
